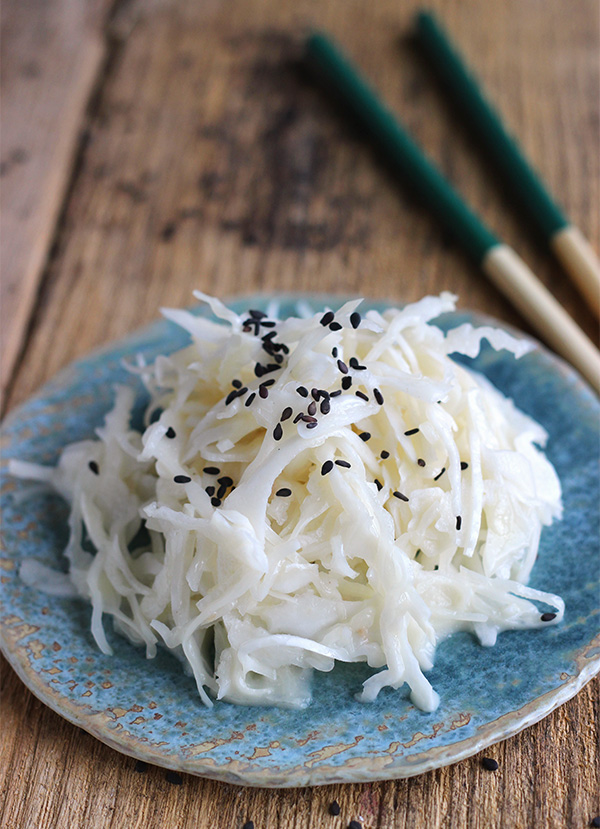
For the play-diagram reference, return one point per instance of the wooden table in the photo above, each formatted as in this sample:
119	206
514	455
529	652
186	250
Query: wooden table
152	147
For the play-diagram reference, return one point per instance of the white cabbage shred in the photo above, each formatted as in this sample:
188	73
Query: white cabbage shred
281	562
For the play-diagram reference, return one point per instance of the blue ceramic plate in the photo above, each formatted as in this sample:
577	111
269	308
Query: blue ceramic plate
150	709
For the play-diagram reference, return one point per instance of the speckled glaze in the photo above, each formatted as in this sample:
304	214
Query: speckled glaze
150	709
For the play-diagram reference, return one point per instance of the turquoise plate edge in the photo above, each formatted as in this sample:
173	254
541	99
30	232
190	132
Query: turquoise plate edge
487	694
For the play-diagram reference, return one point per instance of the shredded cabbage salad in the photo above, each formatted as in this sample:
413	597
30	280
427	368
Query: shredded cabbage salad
306	490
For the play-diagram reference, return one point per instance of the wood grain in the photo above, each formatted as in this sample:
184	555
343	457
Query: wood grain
212	162
52	51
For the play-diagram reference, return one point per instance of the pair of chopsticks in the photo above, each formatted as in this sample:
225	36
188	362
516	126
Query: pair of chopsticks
500	263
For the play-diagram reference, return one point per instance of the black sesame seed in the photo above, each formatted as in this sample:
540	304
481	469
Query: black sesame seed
315	394
334	808
309	419
378	484
362	395
324	394
334	351
385	454
353	362
246	329
210	490
302	391
399	495
286	413
342	366
439	475
346	383
259	370
241	392
257	315
266	337
595	821
284	492
298	417
464	465
225	480
334	326
250	399
268	383
412	432
174	778
547	617
327	318
355	319
268	324
237	384
337	392
278	432
170	433
421	462
458	522
325	406
312	408
354	824
344	464
141	767
312	425
216	502
182	479
278	358
94	467
248	825
221	491
231	397
272	367
378	396
489	764
263	391
365	436
212	470
327	467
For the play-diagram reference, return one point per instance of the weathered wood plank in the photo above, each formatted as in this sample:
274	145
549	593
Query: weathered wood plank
212	163
51	55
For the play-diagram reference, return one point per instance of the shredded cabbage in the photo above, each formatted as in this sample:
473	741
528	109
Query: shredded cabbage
406	504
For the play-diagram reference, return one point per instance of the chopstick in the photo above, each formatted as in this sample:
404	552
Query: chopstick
501	264
565	240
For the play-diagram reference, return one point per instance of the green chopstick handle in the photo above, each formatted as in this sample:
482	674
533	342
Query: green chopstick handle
407	159
485	122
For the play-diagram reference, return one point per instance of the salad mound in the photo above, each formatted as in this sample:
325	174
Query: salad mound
325	487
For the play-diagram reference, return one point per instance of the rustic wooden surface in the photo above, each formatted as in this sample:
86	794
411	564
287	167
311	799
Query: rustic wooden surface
208	161
52	51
